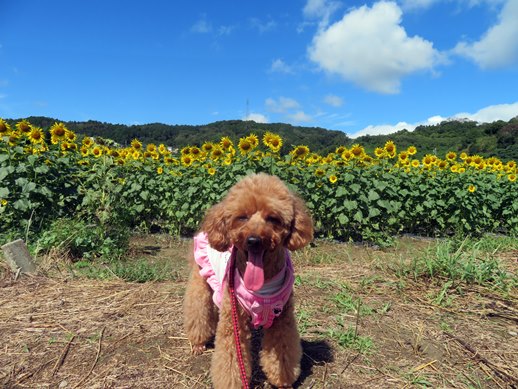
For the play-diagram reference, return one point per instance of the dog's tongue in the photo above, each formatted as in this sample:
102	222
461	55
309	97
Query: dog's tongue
254	274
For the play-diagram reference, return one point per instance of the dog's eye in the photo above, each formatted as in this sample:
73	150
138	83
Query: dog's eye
242	218
274	220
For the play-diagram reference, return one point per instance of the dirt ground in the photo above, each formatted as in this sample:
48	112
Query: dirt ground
60	330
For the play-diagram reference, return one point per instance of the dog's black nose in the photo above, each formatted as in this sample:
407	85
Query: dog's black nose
253	241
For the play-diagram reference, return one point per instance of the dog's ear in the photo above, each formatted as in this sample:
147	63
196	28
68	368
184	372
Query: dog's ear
215	226
301	226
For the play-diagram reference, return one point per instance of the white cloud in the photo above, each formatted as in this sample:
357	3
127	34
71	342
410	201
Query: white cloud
417	4
383	129
487	114
299	117
281	105
279	66
492	113
256	117
225	30
263	26
202	26
498	47
334	101
369	47
320	9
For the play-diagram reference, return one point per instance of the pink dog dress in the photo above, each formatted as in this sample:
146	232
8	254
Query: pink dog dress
263	305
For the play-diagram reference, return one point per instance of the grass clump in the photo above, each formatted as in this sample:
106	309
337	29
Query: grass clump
457	263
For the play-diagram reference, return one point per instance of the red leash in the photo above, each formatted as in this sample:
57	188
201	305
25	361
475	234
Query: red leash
233	304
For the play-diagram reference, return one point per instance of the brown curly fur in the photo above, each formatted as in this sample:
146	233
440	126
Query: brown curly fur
259	205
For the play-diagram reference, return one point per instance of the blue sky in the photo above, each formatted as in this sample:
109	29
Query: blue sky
356	66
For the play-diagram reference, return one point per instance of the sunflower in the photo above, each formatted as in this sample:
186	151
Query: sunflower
24	127
340	149
477	159
136	155
511	164
216	153
390	148
3	202
185	150
245	146
253	139
211	171
511	177
226	143
319	172
159	170
314	158
97	151
403	156
5	128
87	141
258	155
454	168
272	141
71	136
13	139
58	131
330	158
162	149
113	153
151	148
136	144
463	156
187	160
379	152
357	151
451	156
411	150
170	161
36	135
207	147
196	152
472	188
428	160
84	151
300	152
333	178
442	164
415	163
347	155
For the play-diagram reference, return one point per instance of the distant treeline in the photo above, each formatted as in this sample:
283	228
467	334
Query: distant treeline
499	138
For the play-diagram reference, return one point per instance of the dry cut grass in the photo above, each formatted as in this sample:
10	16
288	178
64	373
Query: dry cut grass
363	324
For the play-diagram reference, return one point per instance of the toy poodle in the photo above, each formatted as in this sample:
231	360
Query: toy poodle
255	226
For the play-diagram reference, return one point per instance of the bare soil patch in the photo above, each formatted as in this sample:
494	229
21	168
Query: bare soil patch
63	331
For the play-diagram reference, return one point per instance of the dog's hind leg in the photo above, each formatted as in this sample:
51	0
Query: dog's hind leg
281	350
200	312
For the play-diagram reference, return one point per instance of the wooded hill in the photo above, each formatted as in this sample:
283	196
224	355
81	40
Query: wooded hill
499	138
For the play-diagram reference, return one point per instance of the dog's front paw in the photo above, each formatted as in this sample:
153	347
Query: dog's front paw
198	349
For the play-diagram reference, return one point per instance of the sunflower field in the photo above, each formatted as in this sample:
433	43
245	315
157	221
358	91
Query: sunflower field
47	176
